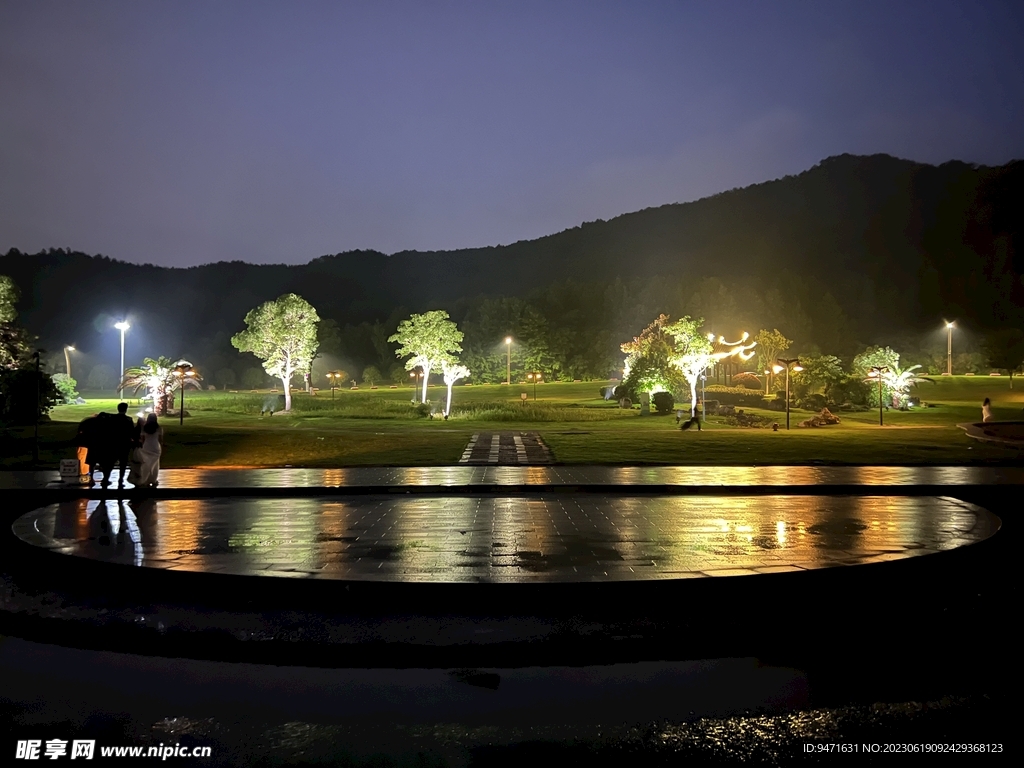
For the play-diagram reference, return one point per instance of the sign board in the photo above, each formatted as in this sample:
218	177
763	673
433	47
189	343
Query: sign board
70	470
523	396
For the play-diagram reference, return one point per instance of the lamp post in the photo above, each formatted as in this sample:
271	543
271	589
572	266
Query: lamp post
508	363
876	373
703	397
183	372
949	349
415	376
787	364
332	376
767	373
122	327
534	377
67	358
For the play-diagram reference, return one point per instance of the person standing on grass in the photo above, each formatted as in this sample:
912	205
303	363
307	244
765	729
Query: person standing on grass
986	410
152	447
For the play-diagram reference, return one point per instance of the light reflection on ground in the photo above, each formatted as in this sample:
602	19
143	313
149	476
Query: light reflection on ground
541	538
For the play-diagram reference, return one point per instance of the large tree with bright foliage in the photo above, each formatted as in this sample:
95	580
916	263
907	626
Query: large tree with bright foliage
282	333
427	340
694	352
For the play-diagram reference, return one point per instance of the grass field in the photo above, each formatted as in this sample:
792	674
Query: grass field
381	427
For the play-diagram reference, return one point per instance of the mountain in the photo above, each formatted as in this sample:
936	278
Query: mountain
890	242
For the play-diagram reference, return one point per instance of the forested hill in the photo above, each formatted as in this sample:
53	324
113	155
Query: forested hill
858	244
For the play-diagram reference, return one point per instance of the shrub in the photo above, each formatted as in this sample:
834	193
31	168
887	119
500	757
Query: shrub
812	402
746	380
66	387
743	419
663	402
736	395
850	390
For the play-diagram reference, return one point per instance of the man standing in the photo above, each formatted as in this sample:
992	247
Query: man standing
122	431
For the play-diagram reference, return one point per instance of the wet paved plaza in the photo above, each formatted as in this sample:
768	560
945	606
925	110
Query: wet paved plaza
775	477
539	538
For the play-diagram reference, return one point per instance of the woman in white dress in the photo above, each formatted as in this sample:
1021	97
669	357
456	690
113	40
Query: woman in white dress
152	439
986	410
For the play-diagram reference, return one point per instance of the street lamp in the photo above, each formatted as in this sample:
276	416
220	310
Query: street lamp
949	349
787	364
508	364
415	376
184	372
122	327
67	358
703	396
333	376
876	373
767	373
534	377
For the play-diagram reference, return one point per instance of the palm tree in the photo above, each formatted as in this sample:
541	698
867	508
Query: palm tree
900	382
160	381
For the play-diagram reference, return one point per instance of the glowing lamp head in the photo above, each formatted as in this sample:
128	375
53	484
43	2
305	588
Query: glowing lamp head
798	367
711	337
412	374
69	348
508	339
745	336
778	368
122	326
949	325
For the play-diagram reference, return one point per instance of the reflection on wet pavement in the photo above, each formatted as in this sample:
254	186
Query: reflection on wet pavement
507	539
778	476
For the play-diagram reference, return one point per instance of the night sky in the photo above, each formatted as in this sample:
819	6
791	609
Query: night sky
181	133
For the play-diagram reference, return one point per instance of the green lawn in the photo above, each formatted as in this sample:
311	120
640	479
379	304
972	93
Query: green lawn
379	427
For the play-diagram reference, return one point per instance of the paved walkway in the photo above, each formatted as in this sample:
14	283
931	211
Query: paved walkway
507	539
506	449
776	479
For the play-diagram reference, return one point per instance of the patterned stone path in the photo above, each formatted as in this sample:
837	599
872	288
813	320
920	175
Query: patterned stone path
506	539
506	448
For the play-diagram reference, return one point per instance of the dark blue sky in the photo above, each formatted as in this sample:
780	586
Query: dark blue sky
181	133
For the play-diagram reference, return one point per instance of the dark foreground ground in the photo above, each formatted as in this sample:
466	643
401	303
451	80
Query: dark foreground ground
771	670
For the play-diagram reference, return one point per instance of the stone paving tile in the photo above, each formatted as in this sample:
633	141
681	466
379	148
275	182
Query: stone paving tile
542	538
466	475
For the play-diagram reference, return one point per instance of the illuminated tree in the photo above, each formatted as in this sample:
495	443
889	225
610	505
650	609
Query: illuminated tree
66	386
157	377
427	340
452	371
877	357
694	352
8	298
770	344
899	383
283	334
649	365
14	342
371	375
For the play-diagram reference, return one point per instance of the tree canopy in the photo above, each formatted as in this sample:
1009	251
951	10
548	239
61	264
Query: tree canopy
282	333
427	340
